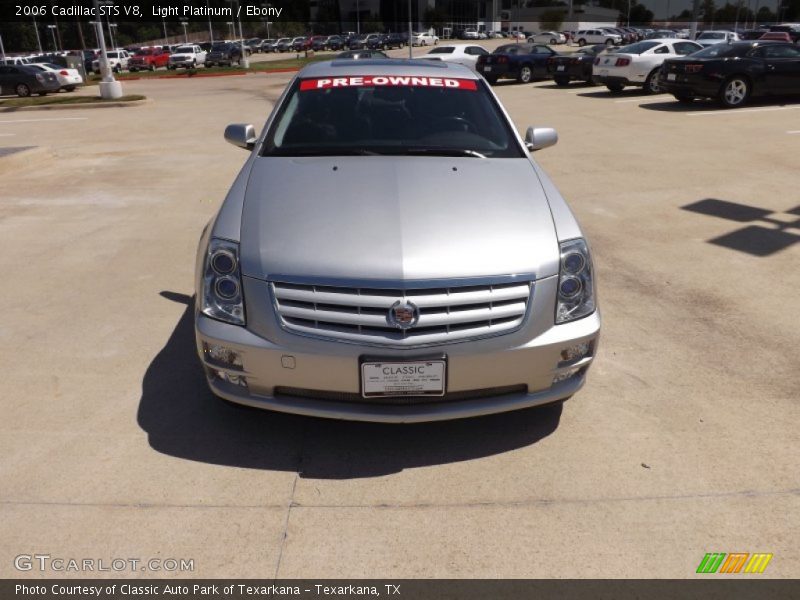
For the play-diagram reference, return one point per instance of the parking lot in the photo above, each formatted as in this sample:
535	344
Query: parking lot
684	440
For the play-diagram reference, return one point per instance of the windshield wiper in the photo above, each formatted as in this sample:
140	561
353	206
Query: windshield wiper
444	152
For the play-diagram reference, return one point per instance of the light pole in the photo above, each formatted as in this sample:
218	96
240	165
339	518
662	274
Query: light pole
230	29
109	87
210	30
410	32
185	35
358	18
38	39
2	50
52	29
164	24
111	28
267	6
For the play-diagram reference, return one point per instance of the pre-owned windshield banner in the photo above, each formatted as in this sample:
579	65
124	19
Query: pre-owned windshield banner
388	81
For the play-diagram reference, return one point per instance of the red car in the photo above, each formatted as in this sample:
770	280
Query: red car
148	59
778	36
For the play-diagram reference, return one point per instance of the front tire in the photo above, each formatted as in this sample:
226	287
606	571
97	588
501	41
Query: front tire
552	42
525	74
581	42
735	92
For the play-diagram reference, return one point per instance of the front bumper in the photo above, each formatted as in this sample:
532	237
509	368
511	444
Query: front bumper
321	378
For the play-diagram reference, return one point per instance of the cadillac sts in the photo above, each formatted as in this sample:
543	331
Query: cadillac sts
391	252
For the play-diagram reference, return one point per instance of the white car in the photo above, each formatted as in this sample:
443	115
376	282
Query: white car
188	56
548	37
639	63
117	60
68	78
463	54
596	36
424	39
709	38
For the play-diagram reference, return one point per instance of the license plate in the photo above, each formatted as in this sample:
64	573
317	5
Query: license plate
403	378
603	72
487	69
560	68
671	77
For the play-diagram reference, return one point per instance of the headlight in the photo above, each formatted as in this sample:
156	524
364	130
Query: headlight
575	284
222	283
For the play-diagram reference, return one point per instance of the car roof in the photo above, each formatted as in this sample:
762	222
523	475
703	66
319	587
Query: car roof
388	66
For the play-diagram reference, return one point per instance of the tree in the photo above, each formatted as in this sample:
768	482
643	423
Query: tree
765	15
708	10
640	14
551	19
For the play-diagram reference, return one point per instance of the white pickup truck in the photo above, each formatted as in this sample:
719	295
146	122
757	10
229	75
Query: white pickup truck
117	60
189	56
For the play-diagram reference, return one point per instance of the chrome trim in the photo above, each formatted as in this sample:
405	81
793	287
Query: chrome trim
402	284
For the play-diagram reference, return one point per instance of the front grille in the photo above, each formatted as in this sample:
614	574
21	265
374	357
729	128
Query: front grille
401	400
361	315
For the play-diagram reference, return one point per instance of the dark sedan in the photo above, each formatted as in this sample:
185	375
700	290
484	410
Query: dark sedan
732	73
576	66
23	81
523	62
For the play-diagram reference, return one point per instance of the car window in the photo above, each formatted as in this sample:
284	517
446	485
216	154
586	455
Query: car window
392	115
781	51
718	51
684	48
661	50
638	48
442	50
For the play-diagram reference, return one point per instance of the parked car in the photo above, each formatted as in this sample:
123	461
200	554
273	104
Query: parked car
597	36
639	63
334	42
361	54
148	59
268	45
24	80
751	34
523	62
283	45
254	44
548	37
117	60
463	54
733	73
793	29
15	60
348	310
69	79
189	56
224	54
777	36
709	38
424	39
301	43
576	66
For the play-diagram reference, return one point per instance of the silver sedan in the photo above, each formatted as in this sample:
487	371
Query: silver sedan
327	285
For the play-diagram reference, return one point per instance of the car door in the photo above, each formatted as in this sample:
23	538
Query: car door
541	54
471	54
781	68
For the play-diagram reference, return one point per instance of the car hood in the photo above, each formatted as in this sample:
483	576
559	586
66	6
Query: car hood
395	218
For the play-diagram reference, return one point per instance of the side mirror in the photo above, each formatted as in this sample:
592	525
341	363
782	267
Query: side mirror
537	138
241	135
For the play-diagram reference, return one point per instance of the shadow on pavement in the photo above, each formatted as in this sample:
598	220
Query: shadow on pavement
709	105
183	419
769	232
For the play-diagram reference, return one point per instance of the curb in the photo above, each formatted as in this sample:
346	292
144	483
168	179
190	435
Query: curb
11	109
201	75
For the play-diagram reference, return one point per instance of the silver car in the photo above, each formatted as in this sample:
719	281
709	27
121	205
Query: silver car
328	285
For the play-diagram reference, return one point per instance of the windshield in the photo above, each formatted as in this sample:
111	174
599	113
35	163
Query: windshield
113	54
184	50
711	36
390	115
638	47
717	50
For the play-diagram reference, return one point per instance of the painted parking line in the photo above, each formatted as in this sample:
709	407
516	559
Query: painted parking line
40	120
7	134
742	111
793	132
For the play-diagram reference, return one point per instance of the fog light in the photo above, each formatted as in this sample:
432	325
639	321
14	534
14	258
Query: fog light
566	374
222	355
230	377
575	352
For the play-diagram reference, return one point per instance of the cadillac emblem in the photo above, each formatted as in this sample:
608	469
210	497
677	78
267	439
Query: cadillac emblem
403	314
